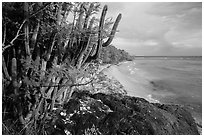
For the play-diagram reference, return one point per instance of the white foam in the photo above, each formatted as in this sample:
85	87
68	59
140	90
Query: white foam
135	85
149	97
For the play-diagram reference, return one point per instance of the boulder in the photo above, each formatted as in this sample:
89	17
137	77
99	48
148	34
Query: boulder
117	114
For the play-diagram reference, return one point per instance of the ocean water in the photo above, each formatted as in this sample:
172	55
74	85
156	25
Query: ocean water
169	80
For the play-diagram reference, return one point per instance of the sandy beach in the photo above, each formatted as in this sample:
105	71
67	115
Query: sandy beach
137	87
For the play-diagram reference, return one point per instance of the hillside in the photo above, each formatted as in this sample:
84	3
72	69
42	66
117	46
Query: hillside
112	55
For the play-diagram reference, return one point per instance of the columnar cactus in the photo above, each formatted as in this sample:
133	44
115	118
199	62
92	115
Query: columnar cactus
5	69
113	31
80	47
14	76
88	57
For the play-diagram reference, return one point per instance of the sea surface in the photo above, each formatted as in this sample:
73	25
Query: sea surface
169	80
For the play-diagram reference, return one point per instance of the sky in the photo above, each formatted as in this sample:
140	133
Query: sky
158	28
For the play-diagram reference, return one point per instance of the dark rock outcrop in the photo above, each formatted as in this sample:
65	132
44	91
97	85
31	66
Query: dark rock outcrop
112	114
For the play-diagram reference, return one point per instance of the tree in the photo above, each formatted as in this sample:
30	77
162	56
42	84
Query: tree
112	55
46	48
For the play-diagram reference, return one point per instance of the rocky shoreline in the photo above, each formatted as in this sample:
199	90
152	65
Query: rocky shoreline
105	109
111	75
116	114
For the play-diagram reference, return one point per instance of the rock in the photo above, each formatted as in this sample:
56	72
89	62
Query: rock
116	114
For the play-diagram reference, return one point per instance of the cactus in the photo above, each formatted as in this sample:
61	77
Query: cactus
102	19
83	40
55	92
83	45
5	69
14	76
34	36
89	53
59	15
63	92
26	29
79	36
80	59
36	30
95	52
113	31
52	43
88	15
79	21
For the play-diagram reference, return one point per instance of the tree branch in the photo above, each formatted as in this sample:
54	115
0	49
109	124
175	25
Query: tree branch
4	34
17	35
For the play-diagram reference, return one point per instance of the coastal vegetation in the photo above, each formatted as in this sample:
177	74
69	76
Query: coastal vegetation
112	55
46	49
52	83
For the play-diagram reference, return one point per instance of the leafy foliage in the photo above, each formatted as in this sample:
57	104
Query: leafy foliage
112	55
47	48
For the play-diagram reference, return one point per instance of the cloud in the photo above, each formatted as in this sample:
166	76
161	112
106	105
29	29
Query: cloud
162	28
184	15
150	48
173	8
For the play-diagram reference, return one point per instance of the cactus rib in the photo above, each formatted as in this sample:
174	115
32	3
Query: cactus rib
113	31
